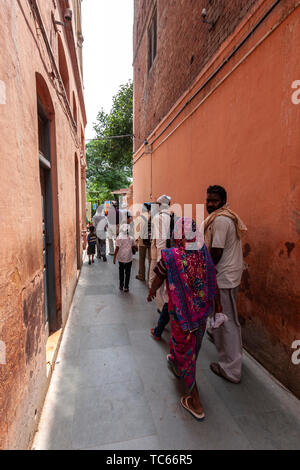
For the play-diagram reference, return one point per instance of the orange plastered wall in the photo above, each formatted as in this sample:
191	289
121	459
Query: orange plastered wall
245	136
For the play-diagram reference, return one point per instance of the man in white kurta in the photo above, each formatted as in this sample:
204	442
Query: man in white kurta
160	234
223	230
143	239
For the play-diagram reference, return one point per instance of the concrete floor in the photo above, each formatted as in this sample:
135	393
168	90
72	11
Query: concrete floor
112	389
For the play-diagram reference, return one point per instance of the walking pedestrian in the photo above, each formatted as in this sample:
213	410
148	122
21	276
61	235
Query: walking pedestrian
124	253
191	284
98	216
101	225
143	240
162	228
128	218
92	240
113	216
223	230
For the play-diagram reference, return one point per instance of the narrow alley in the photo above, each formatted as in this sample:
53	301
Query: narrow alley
119	118
111	387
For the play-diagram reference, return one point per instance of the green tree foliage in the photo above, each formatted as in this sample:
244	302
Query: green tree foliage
109	160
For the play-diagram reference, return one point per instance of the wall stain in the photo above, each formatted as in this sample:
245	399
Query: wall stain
245	285
15	278
289	247
247	250
295	218
32	310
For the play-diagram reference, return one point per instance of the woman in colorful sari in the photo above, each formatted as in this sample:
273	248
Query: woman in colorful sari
191	285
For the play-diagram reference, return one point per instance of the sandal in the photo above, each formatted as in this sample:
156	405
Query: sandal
172	366
184	404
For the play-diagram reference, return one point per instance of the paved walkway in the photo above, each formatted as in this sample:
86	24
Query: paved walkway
112	389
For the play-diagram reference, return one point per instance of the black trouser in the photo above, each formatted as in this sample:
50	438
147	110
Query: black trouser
164	319
124	268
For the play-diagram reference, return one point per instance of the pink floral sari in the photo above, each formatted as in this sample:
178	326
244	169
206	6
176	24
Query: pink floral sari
191	288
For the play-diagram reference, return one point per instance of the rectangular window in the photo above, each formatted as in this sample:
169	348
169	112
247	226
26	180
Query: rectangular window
152	40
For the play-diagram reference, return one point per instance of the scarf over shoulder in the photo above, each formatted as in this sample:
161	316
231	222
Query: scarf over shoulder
240	227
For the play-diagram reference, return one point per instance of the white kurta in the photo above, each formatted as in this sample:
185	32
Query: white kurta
160	234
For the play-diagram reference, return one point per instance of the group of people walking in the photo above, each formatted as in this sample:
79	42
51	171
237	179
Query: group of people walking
195	280
117	226
194	275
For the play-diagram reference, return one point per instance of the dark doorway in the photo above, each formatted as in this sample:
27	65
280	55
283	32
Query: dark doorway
47	220
77	215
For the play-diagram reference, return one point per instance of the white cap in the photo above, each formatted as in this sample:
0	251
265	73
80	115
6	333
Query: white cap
124	228
164	199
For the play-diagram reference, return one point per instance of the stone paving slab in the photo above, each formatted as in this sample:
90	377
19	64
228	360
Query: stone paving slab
111	387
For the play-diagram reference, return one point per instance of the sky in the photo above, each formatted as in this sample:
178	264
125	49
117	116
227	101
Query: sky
107	53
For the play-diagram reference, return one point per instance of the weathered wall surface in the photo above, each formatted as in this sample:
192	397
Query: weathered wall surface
22	326
242	131
184	46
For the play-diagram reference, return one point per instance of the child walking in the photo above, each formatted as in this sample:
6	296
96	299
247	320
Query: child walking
92	241
124	254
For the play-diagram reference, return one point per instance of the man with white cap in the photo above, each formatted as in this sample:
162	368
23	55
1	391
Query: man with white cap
161	235
100	224
113	216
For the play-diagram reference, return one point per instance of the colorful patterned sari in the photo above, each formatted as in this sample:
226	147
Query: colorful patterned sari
192	287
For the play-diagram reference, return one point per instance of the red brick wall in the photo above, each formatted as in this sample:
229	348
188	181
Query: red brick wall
23	57
184	46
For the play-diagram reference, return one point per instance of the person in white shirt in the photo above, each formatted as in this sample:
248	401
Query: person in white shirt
223	230
161	235
100	224
113	216
143	240
124	254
